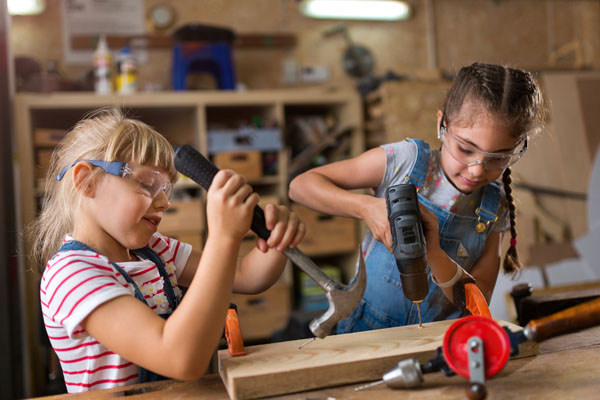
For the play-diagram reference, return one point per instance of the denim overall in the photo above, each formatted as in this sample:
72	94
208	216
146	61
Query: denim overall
383	304
143	253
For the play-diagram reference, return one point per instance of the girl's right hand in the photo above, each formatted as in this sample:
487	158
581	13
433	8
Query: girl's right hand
375	216
230	205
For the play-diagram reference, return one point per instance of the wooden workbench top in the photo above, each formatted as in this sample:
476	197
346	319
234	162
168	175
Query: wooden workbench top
567	367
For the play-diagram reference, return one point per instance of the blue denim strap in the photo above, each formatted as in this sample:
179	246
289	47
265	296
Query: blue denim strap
490	200
149	254
418	173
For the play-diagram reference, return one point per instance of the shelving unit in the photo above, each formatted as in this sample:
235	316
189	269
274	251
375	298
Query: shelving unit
183	118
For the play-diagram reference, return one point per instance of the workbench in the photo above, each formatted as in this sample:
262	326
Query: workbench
568	367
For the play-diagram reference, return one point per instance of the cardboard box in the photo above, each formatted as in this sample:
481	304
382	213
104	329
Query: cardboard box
248	164
183	216
261	314
326	234
48	137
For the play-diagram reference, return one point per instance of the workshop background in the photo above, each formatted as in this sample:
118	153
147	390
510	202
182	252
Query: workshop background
298	84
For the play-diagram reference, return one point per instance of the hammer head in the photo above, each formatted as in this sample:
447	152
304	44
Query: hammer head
343	300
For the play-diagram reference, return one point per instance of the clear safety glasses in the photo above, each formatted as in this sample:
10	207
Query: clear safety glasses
468	154
148	180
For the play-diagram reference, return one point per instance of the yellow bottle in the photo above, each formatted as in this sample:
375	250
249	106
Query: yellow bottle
127	74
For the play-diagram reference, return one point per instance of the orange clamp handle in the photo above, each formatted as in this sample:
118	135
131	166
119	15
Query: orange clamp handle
233	334
475	302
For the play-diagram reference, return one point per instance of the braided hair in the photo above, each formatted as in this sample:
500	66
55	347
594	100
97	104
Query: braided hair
513	96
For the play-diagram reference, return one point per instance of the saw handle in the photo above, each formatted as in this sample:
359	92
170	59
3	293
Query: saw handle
194	165
572	319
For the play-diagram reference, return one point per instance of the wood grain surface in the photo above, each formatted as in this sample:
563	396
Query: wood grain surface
281	368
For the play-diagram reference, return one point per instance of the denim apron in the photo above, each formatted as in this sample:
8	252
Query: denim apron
383	304
143	253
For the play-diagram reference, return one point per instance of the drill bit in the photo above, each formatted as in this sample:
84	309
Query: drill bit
368	385
418	303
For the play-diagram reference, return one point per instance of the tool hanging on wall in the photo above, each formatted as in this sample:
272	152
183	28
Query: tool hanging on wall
343	299
478	348
357	60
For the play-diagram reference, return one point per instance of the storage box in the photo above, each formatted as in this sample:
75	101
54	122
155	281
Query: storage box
326	234
244	140
183	216
261	314
248	164
48	137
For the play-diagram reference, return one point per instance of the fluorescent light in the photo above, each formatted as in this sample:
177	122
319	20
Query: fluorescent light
25	7
376	10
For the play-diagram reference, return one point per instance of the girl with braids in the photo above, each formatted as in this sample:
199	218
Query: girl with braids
484	127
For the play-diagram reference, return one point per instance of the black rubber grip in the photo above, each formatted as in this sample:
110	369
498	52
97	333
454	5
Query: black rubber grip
194	165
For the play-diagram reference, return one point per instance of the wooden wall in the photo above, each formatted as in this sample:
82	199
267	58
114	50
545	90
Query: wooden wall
445	34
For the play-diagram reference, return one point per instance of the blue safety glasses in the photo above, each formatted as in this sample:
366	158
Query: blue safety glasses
150	181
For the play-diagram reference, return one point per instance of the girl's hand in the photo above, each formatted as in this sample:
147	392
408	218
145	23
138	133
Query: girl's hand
375	216
230	205
430	228
286	229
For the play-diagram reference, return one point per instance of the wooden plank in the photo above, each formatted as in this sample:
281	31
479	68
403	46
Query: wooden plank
281	368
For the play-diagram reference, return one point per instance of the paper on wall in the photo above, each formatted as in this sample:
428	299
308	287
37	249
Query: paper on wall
95	17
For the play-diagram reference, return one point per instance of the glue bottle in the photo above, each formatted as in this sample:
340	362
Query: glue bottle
127	78
102	68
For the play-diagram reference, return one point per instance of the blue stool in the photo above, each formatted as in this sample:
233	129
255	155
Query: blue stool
195	56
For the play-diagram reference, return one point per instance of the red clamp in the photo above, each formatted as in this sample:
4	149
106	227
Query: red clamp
233	333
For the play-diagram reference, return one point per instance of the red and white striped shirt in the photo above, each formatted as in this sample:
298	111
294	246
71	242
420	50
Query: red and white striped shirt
75	282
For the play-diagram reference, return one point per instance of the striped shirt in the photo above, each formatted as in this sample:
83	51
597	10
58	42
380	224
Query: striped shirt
75	282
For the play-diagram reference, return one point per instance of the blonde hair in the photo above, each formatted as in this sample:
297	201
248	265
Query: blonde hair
106	135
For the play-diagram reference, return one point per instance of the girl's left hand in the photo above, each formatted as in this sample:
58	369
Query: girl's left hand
286	229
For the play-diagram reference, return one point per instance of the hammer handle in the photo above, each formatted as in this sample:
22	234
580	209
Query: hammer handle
572	319
194	165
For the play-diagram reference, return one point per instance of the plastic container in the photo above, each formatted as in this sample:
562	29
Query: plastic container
127	74
102	68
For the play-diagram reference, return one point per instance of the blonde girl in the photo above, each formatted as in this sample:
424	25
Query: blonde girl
110	290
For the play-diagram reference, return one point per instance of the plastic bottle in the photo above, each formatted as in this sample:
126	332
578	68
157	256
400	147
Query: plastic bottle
127	76
102	68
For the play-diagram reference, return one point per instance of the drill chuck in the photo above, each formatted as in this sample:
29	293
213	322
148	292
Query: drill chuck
408	240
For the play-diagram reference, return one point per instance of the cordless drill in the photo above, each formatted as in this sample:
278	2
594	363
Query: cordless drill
408	241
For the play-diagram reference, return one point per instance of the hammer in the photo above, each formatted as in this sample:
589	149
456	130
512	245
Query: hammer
343	299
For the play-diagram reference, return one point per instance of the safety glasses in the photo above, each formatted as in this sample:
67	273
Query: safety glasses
148	180
468	154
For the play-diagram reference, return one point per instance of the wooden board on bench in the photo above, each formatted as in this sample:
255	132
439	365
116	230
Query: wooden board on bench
280	368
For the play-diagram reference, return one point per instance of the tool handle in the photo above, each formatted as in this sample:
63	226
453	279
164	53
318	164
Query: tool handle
572	319
194	165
